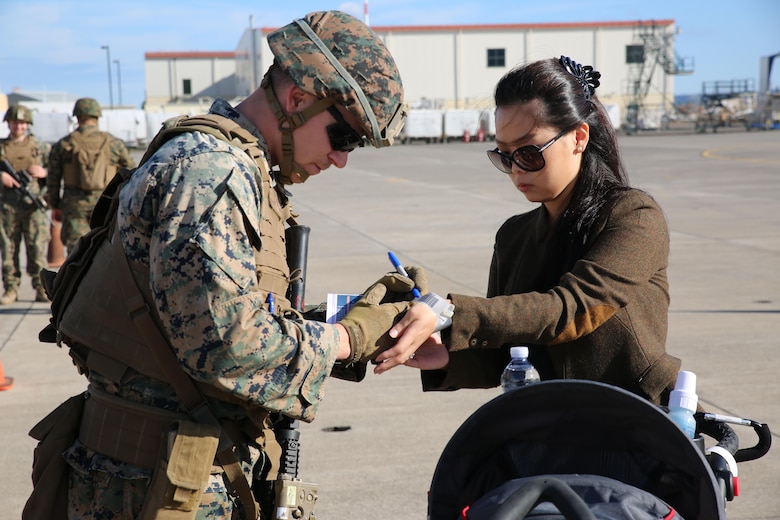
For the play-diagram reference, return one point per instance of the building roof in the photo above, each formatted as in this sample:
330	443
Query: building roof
167	55
508	26
42	96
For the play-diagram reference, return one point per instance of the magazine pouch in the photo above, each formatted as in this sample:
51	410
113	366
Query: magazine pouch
182	473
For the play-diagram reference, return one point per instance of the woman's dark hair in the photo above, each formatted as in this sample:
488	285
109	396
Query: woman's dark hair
563	101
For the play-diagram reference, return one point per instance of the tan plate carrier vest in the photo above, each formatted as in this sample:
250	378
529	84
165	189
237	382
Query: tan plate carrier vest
87	165
22	154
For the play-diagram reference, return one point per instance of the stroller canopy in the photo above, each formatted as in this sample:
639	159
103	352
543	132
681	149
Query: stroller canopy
569	427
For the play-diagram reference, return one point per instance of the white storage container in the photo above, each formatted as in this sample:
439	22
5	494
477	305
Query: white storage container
422	124
459	123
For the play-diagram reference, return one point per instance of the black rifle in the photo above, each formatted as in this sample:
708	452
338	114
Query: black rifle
286	429
292	498
24	179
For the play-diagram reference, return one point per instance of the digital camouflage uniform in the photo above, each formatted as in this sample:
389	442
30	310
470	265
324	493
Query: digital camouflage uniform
206	296
21	218
76	203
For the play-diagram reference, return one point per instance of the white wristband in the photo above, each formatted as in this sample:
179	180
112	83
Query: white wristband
441	307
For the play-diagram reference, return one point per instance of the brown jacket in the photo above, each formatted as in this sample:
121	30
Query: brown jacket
606	320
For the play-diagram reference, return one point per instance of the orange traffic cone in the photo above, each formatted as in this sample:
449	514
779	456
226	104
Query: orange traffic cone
5	382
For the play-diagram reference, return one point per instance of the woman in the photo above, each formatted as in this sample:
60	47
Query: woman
581	279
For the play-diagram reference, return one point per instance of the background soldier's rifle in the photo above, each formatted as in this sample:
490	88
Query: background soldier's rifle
24	179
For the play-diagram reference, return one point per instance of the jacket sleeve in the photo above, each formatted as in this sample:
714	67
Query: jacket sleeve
630	249
204	282
120	155
54	176
468	368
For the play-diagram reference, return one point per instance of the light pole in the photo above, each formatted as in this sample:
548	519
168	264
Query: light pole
119	81
110	88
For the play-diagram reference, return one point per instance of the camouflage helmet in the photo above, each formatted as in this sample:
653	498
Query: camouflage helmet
87	107
331	54
18	113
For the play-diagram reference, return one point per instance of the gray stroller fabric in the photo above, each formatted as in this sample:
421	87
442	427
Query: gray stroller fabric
591	497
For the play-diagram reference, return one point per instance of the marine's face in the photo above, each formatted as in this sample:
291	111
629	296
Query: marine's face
313	147
18	128
517	126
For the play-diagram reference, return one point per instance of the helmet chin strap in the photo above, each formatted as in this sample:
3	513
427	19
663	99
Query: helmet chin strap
288	123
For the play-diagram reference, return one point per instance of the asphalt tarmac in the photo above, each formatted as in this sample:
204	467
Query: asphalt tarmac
374	445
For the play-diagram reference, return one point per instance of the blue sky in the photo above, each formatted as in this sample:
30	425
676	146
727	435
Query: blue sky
55	45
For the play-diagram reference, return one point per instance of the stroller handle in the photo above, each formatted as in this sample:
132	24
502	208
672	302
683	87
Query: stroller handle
762	446
715	426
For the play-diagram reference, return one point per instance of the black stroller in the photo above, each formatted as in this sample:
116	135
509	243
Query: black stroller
585	450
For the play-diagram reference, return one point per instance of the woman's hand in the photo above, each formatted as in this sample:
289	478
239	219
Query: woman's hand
432	355
412	331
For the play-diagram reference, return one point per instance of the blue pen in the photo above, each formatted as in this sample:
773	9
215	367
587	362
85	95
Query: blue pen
271	303
400	269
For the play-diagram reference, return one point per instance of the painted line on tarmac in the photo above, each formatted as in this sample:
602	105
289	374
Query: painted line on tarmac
722	155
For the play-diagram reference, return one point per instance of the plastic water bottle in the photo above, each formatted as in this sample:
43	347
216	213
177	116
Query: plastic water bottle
683	401
519	372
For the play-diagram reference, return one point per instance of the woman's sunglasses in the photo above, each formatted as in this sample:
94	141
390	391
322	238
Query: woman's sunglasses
343	137
528	158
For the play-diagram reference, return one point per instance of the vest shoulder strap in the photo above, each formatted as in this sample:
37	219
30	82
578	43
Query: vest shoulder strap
218	126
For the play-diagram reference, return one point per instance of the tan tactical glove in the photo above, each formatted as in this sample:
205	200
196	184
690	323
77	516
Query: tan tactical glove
399	287
368	321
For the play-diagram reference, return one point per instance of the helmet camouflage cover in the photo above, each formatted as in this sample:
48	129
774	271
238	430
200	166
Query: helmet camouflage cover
331	54
18	113
87	107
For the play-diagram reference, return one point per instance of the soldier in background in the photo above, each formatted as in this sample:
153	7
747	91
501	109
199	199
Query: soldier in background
20	216
80	166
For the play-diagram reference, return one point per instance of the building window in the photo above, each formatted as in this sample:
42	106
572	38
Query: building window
635	53
495	58
187	87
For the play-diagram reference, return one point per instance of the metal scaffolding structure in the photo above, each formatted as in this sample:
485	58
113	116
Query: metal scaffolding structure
652	53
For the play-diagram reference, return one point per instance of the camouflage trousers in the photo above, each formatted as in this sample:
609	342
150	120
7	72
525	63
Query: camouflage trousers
21	220
101	489
77	206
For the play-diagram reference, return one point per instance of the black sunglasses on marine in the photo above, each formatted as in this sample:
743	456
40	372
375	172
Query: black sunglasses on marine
528	158
342	136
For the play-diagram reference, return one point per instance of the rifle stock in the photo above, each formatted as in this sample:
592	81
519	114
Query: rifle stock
297	239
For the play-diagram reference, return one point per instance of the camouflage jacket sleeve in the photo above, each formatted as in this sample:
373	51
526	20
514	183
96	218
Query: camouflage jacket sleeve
54	176
44	149
120	154
188	213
